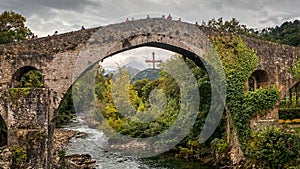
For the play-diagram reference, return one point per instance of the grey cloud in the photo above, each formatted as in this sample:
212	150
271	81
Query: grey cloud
45	15
30	7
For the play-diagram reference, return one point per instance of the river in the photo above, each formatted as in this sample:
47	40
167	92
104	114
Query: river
94	145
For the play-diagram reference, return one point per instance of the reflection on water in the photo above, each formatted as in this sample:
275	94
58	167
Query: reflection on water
94	145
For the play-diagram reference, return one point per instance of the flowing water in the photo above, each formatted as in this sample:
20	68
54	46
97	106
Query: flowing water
94	145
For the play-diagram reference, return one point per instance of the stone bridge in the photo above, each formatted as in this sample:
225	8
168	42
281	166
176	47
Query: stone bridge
30	115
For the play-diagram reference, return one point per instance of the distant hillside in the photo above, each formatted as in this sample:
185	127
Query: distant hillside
147	73
132	71
136	65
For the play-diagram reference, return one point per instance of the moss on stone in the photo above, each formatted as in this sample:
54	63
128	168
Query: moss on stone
19	155
15	93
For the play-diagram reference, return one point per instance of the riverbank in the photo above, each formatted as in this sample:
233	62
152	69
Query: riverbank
61	140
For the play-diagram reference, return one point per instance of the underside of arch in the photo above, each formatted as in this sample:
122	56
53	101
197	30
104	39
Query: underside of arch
260	79
16	78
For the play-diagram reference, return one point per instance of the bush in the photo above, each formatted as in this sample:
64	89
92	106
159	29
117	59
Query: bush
273	148
19	156
16	93
289	113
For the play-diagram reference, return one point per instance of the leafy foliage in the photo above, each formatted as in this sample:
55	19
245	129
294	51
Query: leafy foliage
66	112
273	148
32	78
295	69
12	27
239	63
19	156
270	147
288	33
139	92
16	93
289	113
232	26
258	102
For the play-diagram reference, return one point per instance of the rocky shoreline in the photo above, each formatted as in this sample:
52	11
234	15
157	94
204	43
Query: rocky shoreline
62	138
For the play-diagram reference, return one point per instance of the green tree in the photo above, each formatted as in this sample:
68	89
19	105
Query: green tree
32	78
288	33
273	148
232	26
12	27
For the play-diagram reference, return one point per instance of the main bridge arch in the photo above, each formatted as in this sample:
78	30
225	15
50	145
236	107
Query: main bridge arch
64	68
182	38
106	41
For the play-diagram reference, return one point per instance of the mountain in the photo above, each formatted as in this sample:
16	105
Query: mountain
132	71
147	73
136	64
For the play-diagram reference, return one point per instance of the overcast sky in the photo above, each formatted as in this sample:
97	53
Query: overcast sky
136	58
46	16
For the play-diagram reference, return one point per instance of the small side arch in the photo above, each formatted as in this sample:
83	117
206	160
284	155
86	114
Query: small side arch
17	80
258	79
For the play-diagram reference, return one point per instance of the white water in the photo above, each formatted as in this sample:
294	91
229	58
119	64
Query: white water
94	145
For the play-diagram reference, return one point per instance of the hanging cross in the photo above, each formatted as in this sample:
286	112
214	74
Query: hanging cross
153	61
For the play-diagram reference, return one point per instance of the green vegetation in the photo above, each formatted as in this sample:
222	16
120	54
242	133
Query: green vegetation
139	92
28	81
16	93
107	116
267	148
12	27
238	62
62	160
230	26
19	157
297	130
274	149
32	79
288	33
289	113
66	112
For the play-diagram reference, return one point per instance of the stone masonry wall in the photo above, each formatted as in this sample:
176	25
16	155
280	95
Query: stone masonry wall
28	125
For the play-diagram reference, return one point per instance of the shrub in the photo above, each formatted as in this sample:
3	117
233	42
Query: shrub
273	148
289	113
19	156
